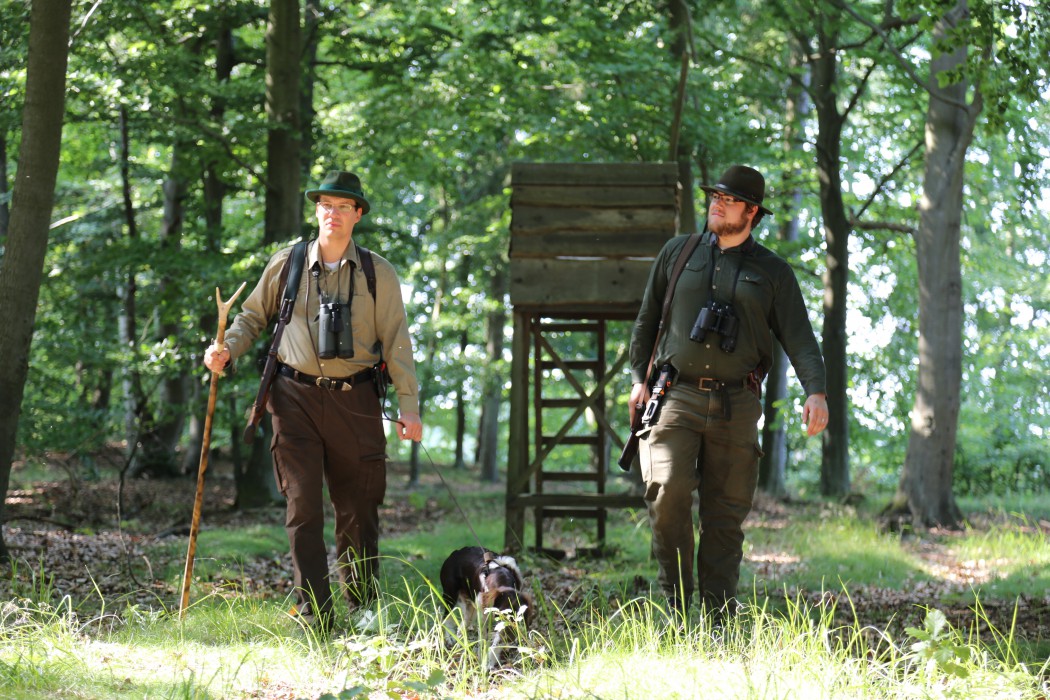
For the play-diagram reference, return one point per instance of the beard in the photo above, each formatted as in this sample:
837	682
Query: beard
725	228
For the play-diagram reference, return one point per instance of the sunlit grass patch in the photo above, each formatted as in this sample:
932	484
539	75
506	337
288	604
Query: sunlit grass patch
817	553
1011	559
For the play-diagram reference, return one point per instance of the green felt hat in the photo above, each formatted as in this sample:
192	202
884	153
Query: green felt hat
340	183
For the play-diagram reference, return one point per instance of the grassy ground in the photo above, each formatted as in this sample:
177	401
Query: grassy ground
836	608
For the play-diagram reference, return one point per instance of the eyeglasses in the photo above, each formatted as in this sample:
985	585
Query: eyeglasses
328	208
724	199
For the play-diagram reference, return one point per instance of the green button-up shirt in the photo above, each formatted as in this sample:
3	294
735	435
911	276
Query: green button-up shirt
379	324
763	292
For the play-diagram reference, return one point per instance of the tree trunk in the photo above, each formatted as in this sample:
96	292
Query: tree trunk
136	410
465	268
680	46
283	196
925	488
488	425
162	439
21	268
772	468
461	410
283	76
307	113
834	468
426	372
213	193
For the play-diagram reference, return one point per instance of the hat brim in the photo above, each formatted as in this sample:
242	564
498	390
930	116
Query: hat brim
314	195
738	195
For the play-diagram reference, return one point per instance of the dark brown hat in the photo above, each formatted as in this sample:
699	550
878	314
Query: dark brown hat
743	183
339	183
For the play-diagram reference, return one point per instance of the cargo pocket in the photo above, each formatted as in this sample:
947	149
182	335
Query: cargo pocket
278	472
372	444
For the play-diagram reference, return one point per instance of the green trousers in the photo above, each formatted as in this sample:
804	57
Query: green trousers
694	447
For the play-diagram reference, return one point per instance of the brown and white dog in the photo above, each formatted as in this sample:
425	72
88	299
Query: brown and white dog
476	579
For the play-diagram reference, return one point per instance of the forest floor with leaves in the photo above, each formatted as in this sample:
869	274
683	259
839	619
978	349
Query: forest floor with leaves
66	532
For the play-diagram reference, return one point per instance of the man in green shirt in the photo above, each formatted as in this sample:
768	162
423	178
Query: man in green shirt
732	297
327	417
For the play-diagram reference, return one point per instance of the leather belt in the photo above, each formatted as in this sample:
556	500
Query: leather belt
330	383
710	384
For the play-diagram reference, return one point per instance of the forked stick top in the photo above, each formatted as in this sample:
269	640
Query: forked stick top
224	310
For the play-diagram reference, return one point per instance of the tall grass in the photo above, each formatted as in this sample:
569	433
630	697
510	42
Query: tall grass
230	648
607	637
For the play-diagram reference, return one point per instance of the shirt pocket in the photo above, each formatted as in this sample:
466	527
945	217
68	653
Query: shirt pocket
695	275
753	290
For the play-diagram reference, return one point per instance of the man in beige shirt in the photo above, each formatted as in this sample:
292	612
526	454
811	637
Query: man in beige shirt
327	414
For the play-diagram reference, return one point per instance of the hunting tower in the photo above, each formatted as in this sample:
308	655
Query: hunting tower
583	237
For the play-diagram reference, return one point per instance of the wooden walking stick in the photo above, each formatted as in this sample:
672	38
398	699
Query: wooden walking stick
220	336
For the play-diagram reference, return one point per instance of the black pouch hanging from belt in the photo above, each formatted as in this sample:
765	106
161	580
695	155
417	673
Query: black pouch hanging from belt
381	378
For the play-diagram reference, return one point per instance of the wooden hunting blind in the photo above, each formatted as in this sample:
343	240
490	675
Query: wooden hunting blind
582	240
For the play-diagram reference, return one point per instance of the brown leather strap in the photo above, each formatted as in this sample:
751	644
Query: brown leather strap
672	282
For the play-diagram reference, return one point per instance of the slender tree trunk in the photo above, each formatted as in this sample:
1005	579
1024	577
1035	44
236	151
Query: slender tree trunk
461	411
21	268
772	468
426	373
488	426
161	441
834	469
136	418
681	27
311	40
460	462
213	193
925	488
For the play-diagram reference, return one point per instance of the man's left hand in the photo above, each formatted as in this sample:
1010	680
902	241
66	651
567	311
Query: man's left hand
409	427
815	414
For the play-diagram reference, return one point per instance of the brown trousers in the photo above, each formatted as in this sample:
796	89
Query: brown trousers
693	447
333	437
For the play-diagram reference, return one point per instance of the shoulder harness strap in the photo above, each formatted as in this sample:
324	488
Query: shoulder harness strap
683	257
293	272
380	374
368	265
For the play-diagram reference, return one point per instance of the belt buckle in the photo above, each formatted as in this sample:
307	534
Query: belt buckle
327	383
707	384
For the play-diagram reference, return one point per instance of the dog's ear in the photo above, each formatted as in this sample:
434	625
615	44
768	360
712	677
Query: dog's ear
509	563
487	599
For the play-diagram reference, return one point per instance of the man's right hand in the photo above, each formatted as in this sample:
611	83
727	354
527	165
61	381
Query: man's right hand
216	357
639	397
